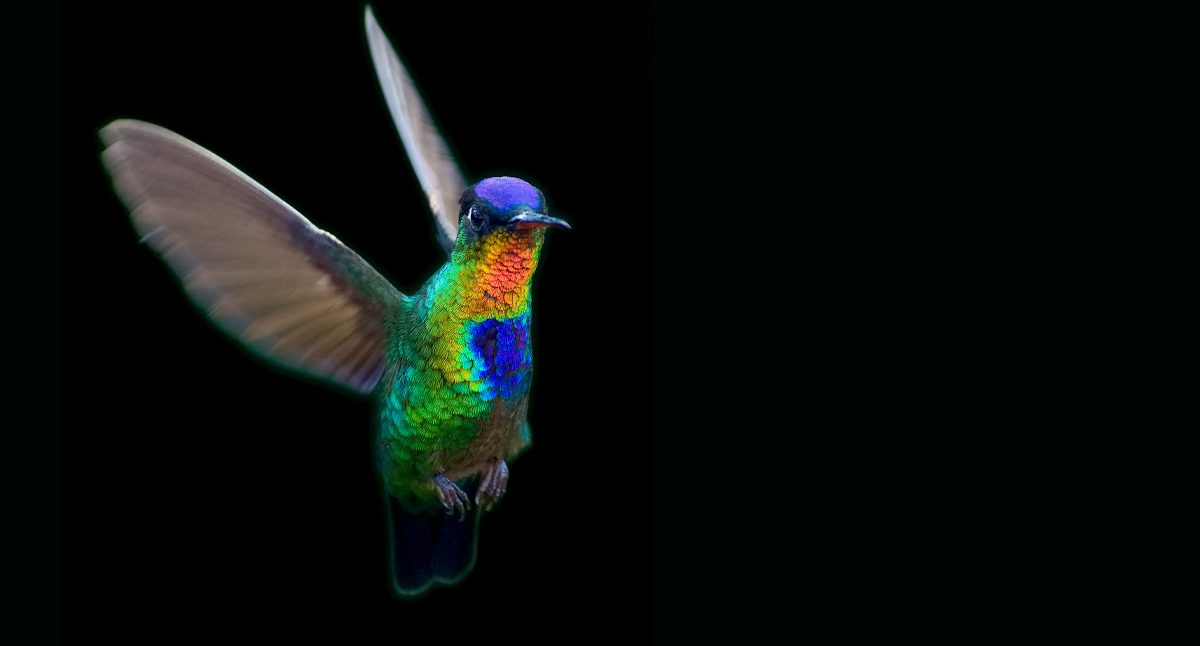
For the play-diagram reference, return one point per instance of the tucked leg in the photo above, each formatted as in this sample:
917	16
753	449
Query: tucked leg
451	495
493	484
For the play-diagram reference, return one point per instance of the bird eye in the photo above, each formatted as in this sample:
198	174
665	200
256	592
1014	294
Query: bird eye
475	218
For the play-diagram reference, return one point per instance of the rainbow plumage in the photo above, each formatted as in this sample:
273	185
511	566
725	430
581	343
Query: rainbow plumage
449	368
466	364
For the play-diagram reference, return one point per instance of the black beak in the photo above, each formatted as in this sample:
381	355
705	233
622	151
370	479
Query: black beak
527	220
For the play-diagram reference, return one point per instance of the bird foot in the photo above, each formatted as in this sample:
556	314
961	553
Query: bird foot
493	484
451	495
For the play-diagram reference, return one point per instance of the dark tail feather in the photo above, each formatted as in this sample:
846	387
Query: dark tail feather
430	546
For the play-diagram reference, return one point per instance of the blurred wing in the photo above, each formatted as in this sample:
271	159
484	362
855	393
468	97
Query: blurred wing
264	273
431	159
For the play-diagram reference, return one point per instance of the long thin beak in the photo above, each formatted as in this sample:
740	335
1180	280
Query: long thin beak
528	220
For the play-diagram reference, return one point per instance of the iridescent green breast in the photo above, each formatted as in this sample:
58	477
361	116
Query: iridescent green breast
460	378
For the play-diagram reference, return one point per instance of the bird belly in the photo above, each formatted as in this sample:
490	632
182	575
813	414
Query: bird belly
456	406
414	447
501	435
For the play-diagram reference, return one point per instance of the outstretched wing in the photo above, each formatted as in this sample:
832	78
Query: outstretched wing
266	275
431	159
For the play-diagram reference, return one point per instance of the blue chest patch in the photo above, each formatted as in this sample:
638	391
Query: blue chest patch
500	356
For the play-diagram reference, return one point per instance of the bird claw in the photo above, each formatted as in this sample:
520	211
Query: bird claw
493	484
451	495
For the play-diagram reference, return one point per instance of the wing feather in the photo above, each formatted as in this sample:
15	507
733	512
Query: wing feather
286	289
430	157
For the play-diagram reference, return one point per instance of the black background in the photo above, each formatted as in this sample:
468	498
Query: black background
208	496
822	162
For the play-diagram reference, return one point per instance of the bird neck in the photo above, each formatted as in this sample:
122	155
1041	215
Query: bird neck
491	278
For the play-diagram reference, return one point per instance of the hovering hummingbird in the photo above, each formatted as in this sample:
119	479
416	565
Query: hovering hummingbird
448	367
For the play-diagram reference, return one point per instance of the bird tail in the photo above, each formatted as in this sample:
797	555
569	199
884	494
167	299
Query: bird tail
429	546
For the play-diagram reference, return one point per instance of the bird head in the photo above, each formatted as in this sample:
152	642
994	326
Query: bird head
503	211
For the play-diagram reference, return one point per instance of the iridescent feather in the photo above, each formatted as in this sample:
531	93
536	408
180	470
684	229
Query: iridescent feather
449	367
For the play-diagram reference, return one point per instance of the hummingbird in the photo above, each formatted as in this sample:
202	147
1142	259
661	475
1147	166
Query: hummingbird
447	368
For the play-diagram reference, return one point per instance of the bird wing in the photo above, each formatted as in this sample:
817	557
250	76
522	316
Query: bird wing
288	290
431	159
